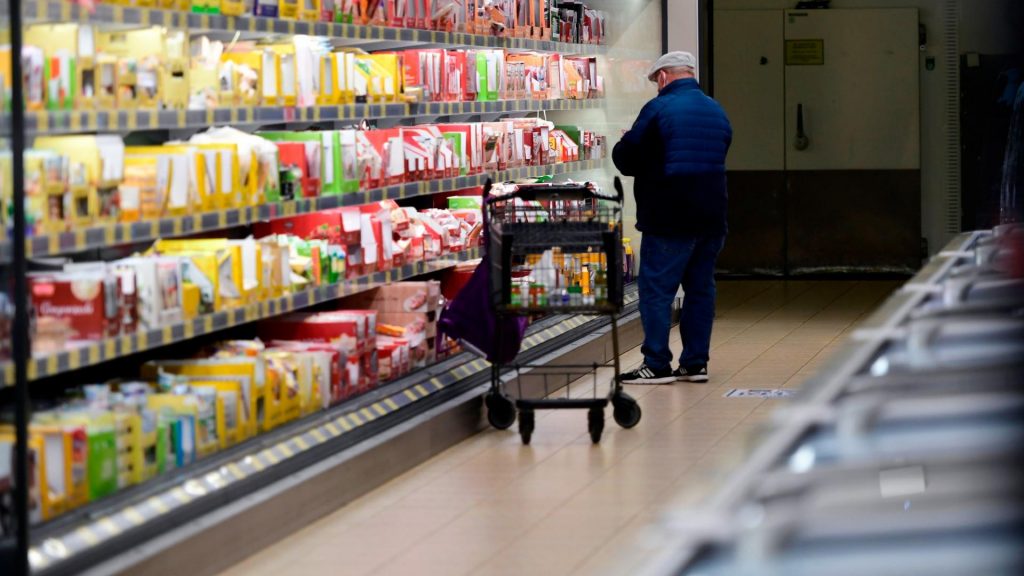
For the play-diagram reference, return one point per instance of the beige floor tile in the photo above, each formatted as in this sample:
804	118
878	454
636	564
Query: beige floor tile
562	505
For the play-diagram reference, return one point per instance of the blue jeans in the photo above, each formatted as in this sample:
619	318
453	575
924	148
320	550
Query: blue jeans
665	264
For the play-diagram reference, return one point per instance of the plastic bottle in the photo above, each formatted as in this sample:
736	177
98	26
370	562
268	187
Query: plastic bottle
629	272
575	296
585	279
516	297
600	287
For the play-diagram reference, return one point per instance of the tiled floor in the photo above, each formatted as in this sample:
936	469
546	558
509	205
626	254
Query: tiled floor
491	506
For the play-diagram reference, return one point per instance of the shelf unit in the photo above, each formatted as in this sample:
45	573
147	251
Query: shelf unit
63	11
113	348
75	121
62	542
203	481
94	237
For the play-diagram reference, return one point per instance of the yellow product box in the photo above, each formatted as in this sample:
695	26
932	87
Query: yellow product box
288	9
190	301
162	181
200	271
303	373
130	456
270	78
283	380
238	266
64	453
182	416
231	423
106	80
310	10
41	504
222	170
232	7
378	77
276	273
245	68
248	372
344	76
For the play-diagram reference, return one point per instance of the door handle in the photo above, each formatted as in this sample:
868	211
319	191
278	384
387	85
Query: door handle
802	141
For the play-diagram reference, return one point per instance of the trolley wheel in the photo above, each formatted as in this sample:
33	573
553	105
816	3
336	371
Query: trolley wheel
626	411
501	412
595	424
526	424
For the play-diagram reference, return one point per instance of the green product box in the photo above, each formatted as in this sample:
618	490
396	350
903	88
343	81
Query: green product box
457	140
102	464
465	202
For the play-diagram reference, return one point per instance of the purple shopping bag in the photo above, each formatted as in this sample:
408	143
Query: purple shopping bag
470	317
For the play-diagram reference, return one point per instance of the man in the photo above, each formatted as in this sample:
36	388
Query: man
676	151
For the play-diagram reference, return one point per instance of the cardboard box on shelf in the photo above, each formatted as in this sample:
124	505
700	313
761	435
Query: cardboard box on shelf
398	297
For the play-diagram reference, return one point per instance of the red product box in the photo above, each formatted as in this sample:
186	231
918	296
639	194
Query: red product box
377	237
348	329
418	330
293	155
339	383
422	296
456	77
387	144
89	302
369	370
456	278
325	225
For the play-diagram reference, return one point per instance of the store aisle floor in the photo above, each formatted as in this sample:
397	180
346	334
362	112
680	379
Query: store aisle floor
562	505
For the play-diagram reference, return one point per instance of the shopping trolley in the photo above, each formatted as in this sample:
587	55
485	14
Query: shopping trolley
555	249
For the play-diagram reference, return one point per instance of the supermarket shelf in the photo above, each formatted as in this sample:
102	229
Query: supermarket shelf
86	536
75	121
65	11
104	236
113	348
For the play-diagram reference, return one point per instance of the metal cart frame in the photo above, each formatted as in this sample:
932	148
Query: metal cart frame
507	235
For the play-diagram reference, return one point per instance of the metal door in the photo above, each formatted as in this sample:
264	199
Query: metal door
824	174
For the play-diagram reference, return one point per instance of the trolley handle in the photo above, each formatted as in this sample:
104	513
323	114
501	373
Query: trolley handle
531	192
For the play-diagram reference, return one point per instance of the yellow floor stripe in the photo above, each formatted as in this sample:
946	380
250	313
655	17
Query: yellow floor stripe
333	429
379	410
390	404
409	394
318	435
367	414
235	471
345	424
270	456
421	390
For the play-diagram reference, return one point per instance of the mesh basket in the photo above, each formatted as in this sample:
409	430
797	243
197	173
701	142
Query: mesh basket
554	247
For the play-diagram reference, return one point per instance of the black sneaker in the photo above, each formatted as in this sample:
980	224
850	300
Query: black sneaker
646	375
693	374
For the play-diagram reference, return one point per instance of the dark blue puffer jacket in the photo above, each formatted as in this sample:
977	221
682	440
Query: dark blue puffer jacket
676	152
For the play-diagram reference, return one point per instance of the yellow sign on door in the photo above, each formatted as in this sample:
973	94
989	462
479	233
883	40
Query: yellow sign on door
805	52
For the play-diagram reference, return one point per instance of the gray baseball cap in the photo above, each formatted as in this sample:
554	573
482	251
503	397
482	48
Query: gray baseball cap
672	60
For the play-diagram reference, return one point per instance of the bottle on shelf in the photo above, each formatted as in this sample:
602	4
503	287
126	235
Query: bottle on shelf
600	287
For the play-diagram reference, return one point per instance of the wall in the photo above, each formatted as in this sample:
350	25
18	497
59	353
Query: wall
992	27
985	27
683	26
